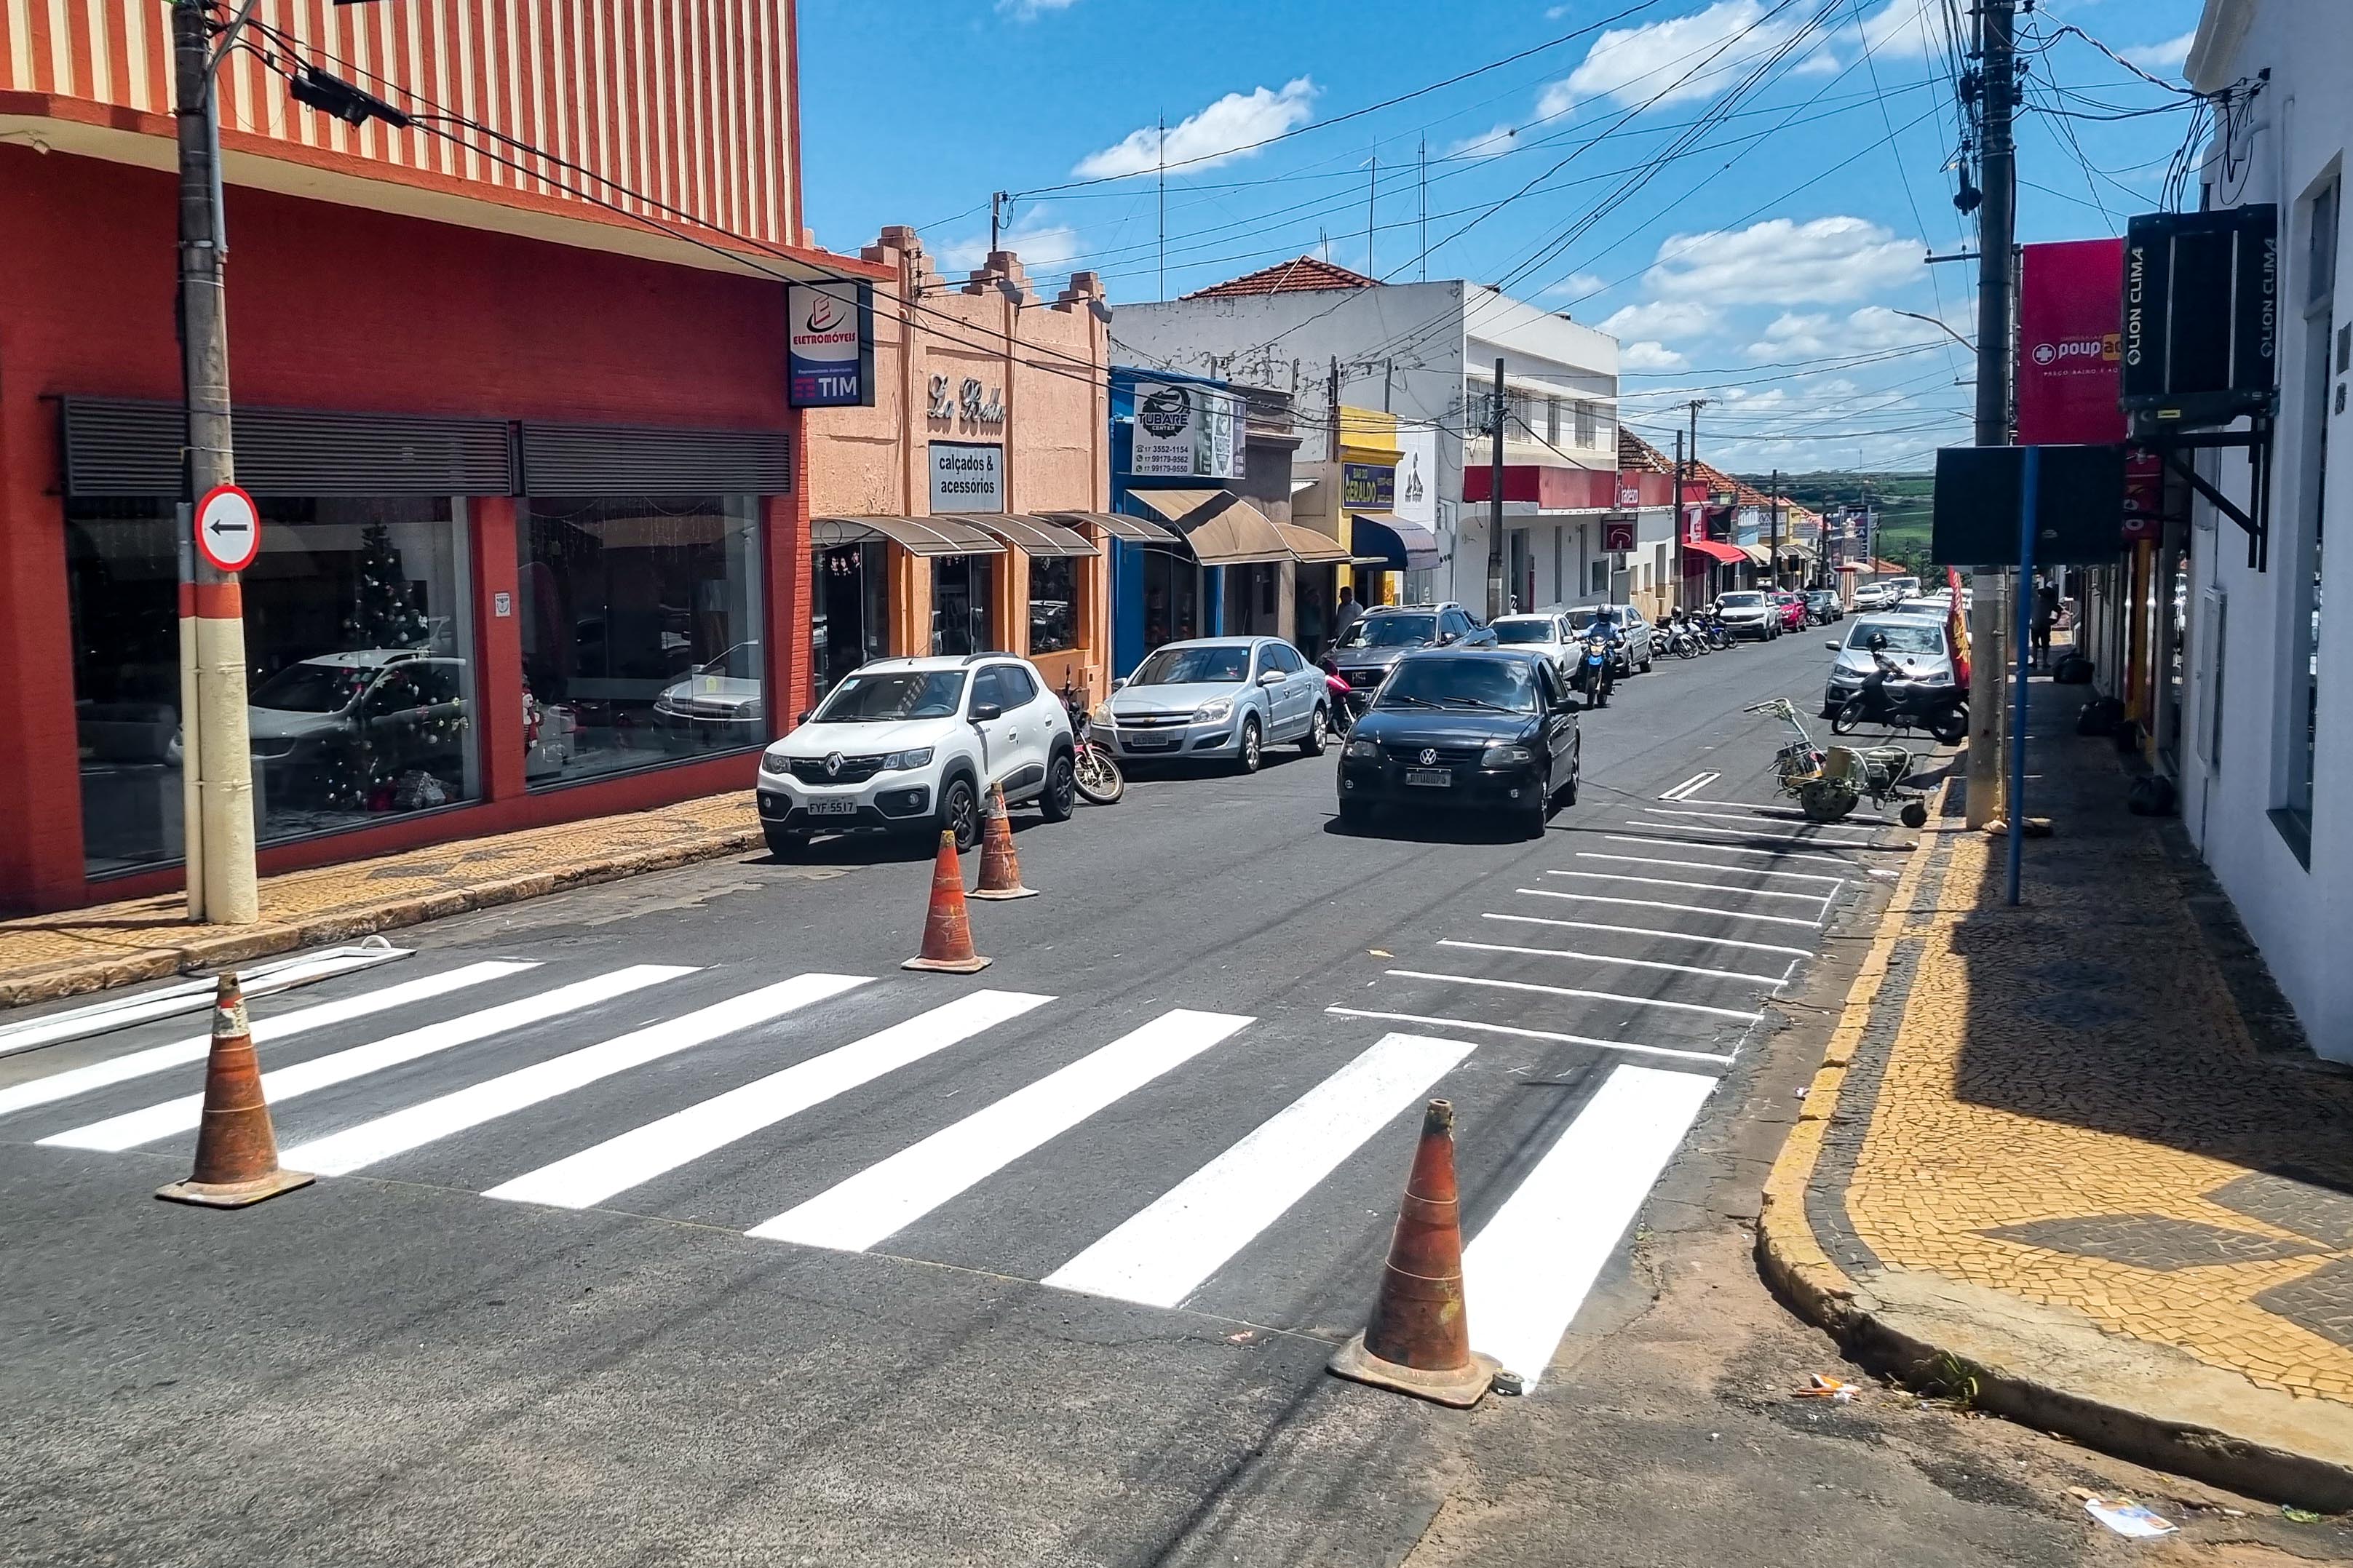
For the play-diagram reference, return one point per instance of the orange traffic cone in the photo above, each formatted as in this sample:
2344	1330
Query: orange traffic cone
1000	868
1418	1341
947	936
237	1152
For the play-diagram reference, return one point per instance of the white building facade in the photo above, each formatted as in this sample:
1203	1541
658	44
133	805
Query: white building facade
2265	755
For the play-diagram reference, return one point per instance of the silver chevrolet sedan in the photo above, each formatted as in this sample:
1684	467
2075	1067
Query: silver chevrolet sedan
1228	697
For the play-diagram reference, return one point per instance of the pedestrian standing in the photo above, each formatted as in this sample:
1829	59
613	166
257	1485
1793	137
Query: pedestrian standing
1348	614
2046	610
1311	622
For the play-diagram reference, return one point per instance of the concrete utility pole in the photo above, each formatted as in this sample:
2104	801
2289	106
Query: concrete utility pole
1677	513
1996	327
1495	498
222	885
1776	546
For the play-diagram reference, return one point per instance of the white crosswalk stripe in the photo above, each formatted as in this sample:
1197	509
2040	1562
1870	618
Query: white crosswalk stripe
887	1198
414	1126
1164	1253
134	1128
279	1027
638	1155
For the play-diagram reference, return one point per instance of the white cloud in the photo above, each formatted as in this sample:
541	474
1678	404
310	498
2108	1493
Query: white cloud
1677	59
2167	57
1576	286
1650	354
1492	143
1044	246
1213	136
1659	318
1031	10
1904	28
1782	262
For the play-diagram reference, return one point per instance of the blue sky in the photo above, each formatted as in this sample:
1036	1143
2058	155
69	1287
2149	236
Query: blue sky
1761	266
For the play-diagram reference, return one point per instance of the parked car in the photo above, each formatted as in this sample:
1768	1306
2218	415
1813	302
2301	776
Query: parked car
718	703
327	723
1747	612
1635	649
1387	632
1547	632
909	745
1792	607
1824	603
1916	642
1488	729
1228	697
1922	605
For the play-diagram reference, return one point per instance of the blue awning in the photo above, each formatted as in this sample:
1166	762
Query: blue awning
1402	546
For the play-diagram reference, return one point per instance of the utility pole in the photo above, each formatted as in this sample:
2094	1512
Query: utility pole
1997	175
1372	193
1775	546
1678	514
221	885
997	202
1162	121
1421	171
1495	497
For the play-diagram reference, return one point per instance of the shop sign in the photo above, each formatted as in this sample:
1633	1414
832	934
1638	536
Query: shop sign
1617	537
830	345
966	401
967	475
2070	348
1367	487
1184	432
1629	491
1417	474
1695	524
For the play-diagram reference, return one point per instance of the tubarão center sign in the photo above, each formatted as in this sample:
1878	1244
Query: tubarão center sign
1184	432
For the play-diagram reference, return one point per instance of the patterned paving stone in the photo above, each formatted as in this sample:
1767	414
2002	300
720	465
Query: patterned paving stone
2292	1200
2321	1301
2150	1241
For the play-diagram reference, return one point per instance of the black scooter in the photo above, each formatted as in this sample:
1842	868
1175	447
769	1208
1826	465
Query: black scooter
1890	698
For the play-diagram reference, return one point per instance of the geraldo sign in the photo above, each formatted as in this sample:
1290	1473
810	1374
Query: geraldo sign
829	343
2070	341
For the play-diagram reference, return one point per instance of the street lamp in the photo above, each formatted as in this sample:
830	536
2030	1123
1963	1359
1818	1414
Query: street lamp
1939	325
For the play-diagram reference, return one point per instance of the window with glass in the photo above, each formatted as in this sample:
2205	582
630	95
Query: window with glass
1053	603
852	623
963	604
641	631
358	640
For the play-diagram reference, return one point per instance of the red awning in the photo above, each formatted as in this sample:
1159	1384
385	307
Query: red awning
1729	554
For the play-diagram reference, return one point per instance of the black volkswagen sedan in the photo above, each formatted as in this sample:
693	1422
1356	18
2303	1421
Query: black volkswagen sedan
1478	729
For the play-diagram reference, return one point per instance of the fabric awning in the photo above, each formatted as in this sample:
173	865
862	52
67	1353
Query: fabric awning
916	536
1117	525
1242	535
1726	554
1179	505
1035	535
1759	554
1399	545
1312	549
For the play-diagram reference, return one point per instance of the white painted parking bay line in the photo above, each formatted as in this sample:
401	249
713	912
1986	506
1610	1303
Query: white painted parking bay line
1701	886
1720	848
414	1126
886	1197
1767	980
139	1064
1710	865
638	1155
1646	930
134	1128
1835	838
1697	781
1528	1271
1521	1034
1750	814
1737	1014
1164	1253
1681	908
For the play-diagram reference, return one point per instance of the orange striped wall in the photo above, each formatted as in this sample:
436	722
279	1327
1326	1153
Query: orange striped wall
688	102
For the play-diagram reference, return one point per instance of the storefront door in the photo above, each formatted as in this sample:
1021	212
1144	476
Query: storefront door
963	604
852	622
1172	598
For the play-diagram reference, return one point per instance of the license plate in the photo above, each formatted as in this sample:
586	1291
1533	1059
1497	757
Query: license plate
833	808
1137	743
1437	778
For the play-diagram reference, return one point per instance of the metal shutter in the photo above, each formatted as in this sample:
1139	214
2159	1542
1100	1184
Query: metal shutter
116	448
617	460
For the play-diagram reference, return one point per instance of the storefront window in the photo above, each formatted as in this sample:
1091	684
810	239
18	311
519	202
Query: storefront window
1172	598
963	611
640	632
1053	603
852	619
360	690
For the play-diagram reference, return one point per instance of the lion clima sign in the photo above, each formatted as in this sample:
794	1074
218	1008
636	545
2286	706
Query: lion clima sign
829	343
1183	432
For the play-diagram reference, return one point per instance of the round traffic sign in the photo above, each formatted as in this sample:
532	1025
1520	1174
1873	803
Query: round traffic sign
229	529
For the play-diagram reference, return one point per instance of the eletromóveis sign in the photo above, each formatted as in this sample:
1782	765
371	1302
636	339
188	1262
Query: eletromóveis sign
830	345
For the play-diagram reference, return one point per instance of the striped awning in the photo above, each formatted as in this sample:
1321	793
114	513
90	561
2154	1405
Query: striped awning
1117	525
1179	505
1035	535
916	536
1312	549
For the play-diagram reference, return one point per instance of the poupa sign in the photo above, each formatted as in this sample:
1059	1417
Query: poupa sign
830	345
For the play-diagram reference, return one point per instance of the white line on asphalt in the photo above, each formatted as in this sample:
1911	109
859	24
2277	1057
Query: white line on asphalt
1530	1269
1754	837
1821	835
414	1126
1703	887
1646	930
1710	865
1166	1251
1720	848
638	1155
134	1128
106	1017
1697	781
1529	1034
1778	813
1765	980
155	1058
1681	908
886	1197
1737	1014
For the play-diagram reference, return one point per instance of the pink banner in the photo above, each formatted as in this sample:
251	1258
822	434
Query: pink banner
2070	325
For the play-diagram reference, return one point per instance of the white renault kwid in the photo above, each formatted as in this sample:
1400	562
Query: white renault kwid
911	745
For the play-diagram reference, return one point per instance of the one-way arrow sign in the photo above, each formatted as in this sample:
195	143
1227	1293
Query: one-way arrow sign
229	529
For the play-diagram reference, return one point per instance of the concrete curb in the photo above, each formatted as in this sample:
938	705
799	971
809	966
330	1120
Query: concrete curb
1920	1348
81	976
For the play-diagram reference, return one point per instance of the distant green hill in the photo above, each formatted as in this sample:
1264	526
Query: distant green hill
1902	501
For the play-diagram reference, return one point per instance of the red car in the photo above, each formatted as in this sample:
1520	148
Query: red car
1793	610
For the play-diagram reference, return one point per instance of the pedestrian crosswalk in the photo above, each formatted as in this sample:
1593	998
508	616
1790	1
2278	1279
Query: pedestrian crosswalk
858	1114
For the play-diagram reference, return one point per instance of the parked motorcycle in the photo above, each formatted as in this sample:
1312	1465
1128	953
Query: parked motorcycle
1713	627
1889	698
1344	705
1092	767
1681	641
1595	672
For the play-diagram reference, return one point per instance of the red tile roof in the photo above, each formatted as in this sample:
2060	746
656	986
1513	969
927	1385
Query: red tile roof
1640	456
1287	278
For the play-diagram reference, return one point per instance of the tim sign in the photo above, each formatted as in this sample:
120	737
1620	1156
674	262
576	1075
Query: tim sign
2070	338
829	340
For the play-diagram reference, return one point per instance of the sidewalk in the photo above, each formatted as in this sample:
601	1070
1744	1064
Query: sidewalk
47	956
2051	1165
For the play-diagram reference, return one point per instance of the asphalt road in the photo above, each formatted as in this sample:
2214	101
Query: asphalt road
671	1222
